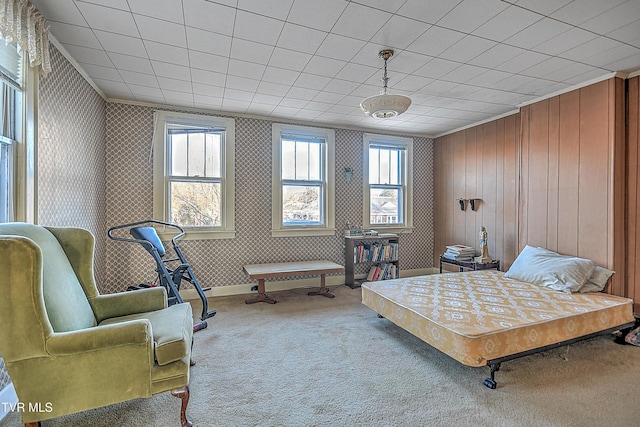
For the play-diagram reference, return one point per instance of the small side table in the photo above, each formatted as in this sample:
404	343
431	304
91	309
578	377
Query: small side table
470	265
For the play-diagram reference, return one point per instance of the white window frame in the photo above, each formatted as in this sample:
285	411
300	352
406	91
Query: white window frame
278	229
407	187
23	149
162	168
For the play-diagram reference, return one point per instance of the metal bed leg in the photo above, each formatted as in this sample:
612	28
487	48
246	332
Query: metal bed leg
491	382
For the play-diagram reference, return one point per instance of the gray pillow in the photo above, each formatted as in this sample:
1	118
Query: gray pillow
597	281
546	268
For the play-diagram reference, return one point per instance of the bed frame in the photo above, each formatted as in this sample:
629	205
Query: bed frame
428	306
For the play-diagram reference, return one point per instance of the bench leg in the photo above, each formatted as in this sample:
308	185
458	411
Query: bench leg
262	295
323	289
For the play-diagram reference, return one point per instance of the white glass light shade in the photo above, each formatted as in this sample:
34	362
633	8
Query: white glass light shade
385	106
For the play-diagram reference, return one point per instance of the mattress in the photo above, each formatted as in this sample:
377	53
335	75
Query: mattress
478	316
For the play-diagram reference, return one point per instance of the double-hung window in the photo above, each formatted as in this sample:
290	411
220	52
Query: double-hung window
18	84
303	181
388	183
194	173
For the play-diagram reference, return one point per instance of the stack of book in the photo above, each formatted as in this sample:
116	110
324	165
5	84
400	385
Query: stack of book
459	253
382	271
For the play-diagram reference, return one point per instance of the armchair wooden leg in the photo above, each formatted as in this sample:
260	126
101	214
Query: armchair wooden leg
191	361
183	394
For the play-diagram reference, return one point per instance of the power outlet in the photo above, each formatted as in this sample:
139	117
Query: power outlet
254	288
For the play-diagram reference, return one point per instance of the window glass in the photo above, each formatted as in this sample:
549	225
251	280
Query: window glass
194	173
303	181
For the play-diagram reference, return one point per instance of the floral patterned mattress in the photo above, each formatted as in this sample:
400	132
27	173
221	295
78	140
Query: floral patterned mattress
478	316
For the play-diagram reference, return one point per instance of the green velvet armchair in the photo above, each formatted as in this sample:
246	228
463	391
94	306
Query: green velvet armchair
69	349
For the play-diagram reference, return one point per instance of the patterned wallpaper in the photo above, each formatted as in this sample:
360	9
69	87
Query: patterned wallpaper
71	154
219	262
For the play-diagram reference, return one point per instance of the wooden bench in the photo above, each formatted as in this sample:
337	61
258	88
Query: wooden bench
261	272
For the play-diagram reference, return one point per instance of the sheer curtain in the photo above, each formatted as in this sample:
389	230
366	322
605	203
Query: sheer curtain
21	22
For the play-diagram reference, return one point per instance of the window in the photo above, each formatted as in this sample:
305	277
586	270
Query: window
194	173
388	183
303	181
18	85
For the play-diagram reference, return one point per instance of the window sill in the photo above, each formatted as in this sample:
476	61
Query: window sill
199	235
391	229
303	232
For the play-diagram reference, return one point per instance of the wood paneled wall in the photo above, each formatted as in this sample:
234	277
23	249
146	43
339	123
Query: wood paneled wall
482	163
552	175
572	178
632	235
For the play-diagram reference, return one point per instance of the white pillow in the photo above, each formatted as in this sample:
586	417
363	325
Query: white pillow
546	268
597	281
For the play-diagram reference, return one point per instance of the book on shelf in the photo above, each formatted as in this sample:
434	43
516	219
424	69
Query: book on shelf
382	271
373	252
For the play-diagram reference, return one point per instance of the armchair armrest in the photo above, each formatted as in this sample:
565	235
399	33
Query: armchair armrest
124	303
133	332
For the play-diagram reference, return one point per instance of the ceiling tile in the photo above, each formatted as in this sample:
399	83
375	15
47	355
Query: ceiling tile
290	59
166	53
543	7
321	15
280	75
628	34
208	62
428	11
205	41
437	68
278	9
246	69
471	14
467	48
577	12
565	41
301	39
538	33
117	43
213	17
327	67
161	31
435	40
464	73
89	56
131	63
250	51
507	23
207	77
100	72
171	84
302	93
356	72
173	71
496	55
146	91
596	46
267	99
275	89
340	86
167	10
60	11
523	61
360	22
251	26
340	47
546	68
412	83
242	83
208	90
108	19
399	32
616	17
311	81
238	95
73	34
139	79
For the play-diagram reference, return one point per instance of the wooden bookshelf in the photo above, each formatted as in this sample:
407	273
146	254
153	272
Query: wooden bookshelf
353	257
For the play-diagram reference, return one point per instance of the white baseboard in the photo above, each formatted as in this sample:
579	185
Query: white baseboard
286	285
7	395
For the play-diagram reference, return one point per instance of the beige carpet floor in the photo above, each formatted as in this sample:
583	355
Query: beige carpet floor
314	361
